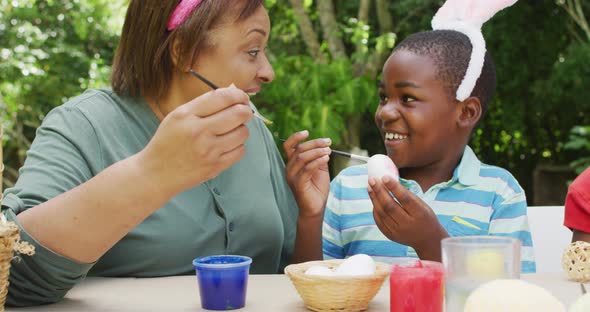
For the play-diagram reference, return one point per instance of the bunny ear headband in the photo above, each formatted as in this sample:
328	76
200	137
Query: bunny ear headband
467	17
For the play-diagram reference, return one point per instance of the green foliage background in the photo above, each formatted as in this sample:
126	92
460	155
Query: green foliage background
50	50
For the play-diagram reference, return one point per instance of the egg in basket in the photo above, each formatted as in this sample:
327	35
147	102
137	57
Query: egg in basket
338	285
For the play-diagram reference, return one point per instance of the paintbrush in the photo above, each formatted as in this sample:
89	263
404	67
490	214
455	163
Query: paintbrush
351	156
345	154
214	87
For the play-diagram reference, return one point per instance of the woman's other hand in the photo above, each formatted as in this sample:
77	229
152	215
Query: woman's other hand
307	172
198	140
409	221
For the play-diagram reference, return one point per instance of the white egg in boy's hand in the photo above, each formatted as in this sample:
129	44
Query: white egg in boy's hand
381	165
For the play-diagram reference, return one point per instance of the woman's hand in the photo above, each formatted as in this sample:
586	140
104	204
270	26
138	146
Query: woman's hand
307	173
198	140
410	222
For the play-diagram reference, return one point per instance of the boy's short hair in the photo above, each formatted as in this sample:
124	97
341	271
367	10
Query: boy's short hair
451	52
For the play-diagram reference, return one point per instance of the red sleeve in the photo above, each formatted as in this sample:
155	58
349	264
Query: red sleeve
577	204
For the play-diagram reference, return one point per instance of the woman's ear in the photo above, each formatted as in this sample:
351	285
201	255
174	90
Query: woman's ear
470	112
177	60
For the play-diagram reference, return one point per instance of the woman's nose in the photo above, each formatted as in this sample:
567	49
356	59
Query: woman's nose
265	73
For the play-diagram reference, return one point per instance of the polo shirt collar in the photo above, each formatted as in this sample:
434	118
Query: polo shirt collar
467	172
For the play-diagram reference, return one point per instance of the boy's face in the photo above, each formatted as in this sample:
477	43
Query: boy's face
416	116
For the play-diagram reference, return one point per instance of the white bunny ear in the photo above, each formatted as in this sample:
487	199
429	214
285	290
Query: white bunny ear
452	11
467	17
482	10
471	12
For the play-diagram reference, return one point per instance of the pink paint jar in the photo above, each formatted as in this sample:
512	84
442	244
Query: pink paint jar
416	286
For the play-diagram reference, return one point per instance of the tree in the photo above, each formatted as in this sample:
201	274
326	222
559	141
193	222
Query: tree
327	56
335	82
573	72
526	123
51	50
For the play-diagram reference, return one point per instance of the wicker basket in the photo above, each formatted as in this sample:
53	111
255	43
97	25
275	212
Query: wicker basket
336	293
576	261
9	242
9	237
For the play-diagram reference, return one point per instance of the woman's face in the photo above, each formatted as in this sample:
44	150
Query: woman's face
237	55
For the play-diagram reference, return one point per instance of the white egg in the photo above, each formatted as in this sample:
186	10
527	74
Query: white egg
319	270
381	165
360	264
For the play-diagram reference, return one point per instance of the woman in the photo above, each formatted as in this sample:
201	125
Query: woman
141	179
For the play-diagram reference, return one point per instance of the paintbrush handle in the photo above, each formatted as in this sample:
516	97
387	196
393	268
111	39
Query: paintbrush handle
351	156
345	154
203	79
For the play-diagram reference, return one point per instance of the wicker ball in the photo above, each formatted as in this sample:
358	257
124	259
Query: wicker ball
336	293
576	261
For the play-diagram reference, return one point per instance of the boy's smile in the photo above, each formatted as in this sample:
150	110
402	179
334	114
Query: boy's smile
394	136
417	116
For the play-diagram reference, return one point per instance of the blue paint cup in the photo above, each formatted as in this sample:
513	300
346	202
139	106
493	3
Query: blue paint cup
222	281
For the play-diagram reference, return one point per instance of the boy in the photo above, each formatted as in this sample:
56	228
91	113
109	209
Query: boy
444	189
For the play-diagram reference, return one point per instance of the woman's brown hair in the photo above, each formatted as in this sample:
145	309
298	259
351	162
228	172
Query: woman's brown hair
144	64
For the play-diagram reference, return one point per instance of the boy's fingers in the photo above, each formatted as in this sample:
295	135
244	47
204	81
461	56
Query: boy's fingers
313	144
384	197
290	145
310	168
409	202
383	221
304	160
384	204
402	195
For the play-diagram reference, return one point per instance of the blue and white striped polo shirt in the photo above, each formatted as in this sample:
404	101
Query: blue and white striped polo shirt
479	200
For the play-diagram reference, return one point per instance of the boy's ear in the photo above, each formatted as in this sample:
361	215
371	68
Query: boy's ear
470	112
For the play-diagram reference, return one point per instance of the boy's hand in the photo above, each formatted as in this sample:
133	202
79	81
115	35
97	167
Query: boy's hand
410	222
307	173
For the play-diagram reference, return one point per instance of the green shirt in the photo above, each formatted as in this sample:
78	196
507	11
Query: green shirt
246	210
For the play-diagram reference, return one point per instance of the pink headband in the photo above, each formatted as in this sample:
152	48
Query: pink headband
181	12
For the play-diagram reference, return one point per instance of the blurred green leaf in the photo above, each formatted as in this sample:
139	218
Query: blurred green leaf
49	52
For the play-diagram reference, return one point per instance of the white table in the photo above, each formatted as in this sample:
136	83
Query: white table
265	293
